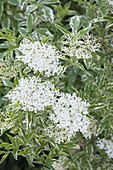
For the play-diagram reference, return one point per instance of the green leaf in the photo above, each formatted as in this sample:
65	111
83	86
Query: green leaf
15	25
101	128
85	30
88	164
74	23
28	119
47	14
1	9
97	106
2	152
30	159
46	39
6	22
43	31
15	144
6	145
30	23
89	149
23	31
82	68
48	1
16	80
8	83
13	2
26	70
63	30
4	157
4	46
110	121
10	49
18	16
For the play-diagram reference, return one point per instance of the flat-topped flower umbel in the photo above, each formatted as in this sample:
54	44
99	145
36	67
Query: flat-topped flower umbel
40	57
69	111
107	145
33	94
79	46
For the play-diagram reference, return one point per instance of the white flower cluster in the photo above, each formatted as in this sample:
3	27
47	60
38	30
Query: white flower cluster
110	2
58	134
58	165
8	71
107	145
40	57
80	47
33	94
70	112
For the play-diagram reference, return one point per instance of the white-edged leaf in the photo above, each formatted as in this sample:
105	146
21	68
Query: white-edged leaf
63	30
74	23
30	23
47	14
48	1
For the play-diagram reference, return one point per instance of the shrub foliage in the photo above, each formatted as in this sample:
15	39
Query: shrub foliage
56	84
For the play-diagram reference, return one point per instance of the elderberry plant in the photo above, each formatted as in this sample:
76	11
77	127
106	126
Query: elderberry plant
56	84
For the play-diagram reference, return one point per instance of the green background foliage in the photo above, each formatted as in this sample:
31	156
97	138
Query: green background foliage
92	79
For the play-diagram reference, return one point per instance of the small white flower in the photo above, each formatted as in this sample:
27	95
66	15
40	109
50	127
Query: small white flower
80	47
33	94
107	145
70	113
58	134
110	2
58	165
40	57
